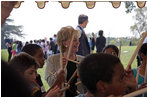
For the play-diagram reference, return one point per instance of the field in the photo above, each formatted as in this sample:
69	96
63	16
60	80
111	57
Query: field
126	54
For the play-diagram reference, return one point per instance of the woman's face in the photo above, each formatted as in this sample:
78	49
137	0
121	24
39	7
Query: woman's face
39	57
75	44
30	74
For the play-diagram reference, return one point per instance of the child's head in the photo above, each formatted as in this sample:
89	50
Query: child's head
26	65
102	74
143	51
13	83
35	51
111	49
100	33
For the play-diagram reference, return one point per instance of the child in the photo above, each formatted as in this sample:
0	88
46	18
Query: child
104	75
142	67
37	52
13	84
27	66
111	49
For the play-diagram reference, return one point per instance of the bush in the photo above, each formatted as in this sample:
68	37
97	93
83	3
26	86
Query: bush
125	41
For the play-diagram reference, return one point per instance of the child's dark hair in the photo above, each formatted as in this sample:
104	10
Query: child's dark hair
50	39
97	67
114	47
100	32
143	49
31	49
13	83
55	35
23	61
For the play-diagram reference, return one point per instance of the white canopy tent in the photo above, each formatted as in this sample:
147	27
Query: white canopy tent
89	4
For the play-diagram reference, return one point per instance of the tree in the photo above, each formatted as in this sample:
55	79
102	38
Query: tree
140	17
129	5
8	30
140	21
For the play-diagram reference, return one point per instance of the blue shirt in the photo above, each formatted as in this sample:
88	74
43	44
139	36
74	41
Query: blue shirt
140	81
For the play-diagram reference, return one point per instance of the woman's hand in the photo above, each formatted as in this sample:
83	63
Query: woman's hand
60	78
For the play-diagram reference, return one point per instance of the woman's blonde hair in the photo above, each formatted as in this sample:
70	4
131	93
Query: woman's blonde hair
64	34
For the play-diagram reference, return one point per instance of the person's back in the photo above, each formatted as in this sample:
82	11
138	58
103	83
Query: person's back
100	42
90	43
93	42
9	50
19	47
52	44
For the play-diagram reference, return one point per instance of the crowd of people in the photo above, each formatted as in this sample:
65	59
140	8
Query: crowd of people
99	74
49	46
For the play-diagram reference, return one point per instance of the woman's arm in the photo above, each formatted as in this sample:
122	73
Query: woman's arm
49	71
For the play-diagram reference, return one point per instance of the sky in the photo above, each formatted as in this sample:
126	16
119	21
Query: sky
40	23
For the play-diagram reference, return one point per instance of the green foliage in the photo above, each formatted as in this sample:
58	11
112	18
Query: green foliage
124	40
8	30
135	41
113	40
129	5
140	21
140	18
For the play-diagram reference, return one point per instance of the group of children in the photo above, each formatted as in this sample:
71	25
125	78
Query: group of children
102	73
27	62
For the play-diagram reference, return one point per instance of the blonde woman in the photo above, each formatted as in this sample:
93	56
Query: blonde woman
64	38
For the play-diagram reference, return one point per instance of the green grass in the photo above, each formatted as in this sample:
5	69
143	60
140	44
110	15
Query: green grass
126	54
41	71
4	54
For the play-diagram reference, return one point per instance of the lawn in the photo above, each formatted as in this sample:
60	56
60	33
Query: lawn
126	54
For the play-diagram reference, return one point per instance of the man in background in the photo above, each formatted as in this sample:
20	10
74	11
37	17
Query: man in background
100	42
84	48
